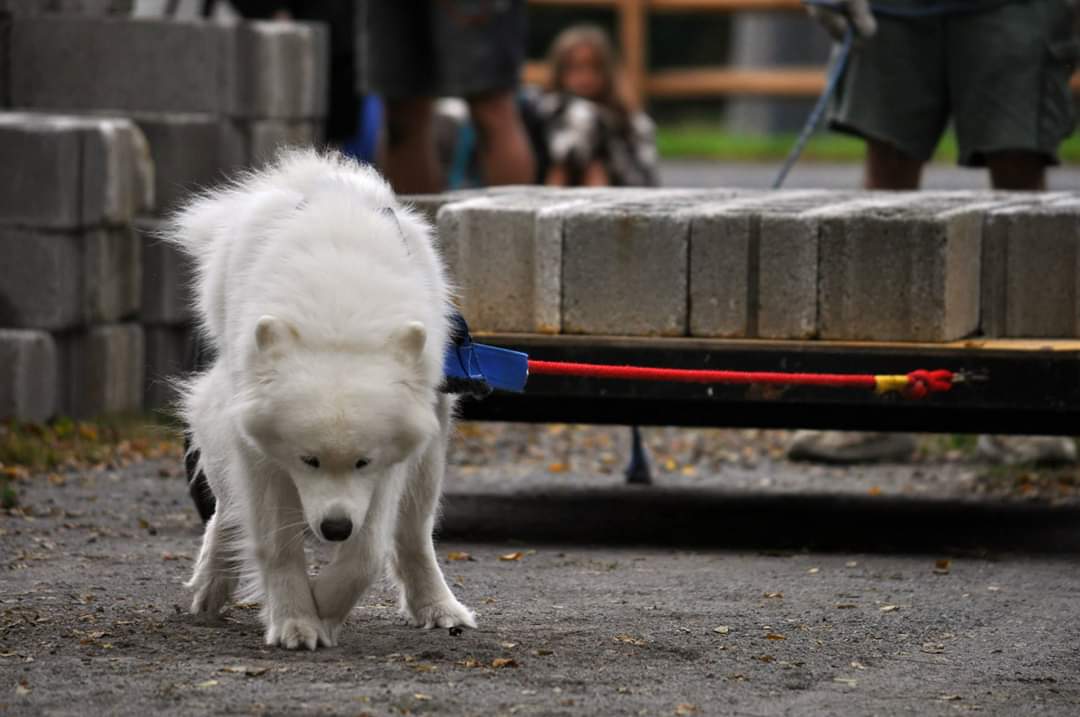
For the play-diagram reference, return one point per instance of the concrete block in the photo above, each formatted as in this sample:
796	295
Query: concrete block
102	370
168	356
281	70
900	267
624	267
84	63
65	172
166	279
190	151
1031	264
57	281
28	375
264	138
753	265
504	254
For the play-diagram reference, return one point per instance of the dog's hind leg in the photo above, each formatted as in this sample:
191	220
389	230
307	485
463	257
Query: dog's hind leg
216	569
426	599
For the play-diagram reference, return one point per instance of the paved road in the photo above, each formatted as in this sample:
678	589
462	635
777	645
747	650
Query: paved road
816	175
747	623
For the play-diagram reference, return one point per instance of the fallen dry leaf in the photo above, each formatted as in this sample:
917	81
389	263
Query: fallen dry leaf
556	467
941	567
424	667
500	662
849	681
858	665
813	571
889	608
874	491
765	658
543	653
516	555
950	698
207	684
469	662
630	640
774	595
932	648
508	645
459	555
722	629
845	605
246	670
421	696
685	708
774	636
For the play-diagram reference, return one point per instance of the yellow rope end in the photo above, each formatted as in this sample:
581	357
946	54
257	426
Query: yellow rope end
889	384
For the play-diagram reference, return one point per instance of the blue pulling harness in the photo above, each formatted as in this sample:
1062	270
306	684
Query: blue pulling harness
478	369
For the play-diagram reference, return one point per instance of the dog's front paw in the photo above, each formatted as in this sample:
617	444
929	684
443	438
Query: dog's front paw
444	613
293	633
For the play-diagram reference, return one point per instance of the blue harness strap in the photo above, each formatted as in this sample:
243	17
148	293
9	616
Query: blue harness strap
478	369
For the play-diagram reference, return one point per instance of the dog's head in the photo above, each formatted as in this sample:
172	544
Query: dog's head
339	421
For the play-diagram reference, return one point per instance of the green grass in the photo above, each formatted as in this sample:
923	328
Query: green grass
704	141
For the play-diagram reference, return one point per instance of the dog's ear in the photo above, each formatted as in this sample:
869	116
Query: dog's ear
273	333
408	341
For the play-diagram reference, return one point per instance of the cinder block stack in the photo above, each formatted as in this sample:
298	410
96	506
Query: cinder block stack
921	266
71	264
82	266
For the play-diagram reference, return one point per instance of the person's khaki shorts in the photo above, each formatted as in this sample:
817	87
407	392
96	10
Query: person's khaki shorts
1001	75
440	48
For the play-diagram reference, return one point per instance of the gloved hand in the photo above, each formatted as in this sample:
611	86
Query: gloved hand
836	20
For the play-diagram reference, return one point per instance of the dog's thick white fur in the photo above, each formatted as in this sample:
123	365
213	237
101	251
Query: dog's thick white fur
327	307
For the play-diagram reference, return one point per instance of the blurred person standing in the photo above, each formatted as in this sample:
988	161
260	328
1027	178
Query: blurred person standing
999	70
415	51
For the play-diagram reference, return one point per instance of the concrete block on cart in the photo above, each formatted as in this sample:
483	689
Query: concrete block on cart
504	254
166	278
281	70
625	268
1031	269
190	152
28	375
102	370
129	64
753	265
56	281
64	172
168	356
900	268
263	139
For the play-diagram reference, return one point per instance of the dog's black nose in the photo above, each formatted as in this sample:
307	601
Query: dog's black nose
336	529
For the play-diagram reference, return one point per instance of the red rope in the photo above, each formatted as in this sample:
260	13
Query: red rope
920	383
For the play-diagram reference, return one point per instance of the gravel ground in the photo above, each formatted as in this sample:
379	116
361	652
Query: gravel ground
92	618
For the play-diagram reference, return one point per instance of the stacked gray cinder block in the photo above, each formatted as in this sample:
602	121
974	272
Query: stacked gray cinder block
70	263
900	268
167	313
210	98
1031	268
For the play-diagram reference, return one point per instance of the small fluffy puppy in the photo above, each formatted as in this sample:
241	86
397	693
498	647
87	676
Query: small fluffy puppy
327	308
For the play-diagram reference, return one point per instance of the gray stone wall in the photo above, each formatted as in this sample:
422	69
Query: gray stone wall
110	122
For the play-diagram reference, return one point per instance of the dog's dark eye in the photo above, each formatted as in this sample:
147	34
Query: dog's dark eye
362	463
312	461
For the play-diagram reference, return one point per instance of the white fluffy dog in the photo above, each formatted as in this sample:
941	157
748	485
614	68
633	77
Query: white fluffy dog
327	307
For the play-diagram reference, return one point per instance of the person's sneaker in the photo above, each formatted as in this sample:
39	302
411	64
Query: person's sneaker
850	447
1040	450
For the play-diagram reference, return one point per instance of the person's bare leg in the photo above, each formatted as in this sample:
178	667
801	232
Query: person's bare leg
888	168
596	175
1017	171
409	160
505	154
557	176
